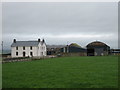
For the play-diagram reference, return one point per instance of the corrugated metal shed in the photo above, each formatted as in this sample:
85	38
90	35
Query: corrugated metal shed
97	43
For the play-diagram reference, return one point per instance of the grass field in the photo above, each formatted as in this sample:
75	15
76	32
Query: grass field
63	72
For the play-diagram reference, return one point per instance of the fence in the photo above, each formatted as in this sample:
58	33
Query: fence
6	60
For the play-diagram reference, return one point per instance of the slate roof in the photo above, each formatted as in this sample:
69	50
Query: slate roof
55	46
25	43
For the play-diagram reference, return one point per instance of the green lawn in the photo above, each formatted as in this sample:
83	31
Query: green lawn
63	72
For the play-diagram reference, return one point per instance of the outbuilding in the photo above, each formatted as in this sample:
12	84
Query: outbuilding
73	49
97	48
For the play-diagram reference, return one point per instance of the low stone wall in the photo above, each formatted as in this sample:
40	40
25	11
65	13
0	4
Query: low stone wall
74	54
7	60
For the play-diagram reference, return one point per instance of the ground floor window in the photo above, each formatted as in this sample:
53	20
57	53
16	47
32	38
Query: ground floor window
16	53
31	53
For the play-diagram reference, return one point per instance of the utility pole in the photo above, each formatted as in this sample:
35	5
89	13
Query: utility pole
2	47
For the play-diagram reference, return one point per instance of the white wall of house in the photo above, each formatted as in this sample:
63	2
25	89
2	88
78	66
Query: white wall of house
42	50
27	51
39	51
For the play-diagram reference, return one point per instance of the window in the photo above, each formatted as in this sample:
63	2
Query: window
42	53
31	53
16	48
16	53
24	54
30	47
41	48
24	48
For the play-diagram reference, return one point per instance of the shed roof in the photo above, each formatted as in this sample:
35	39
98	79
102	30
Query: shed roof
75	45
97	43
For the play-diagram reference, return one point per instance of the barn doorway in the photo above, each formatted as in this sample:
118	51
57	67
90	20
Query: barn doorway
90	52
23	54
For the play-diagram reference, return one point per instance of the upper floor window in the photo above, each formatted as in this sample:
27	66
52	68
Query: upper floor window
24	48
44	48
16	48
30	47
40	47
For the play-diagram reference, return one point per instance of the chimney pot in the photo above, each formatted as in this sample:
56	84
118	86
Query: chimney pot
38	40
14	40
43	40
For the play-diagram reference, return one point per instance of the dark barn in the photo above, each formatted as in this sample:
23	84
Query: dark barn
115	51
74	48
97	48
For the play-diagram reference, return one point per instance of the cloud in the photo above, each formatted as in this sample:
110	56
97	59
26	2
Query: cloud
61	22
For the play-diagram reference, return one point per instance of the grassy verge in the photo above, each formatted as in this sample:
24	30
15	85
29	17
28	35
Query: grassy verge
63	72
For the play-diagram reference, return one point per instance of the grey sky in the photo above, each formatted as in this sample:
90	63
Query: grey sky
59	23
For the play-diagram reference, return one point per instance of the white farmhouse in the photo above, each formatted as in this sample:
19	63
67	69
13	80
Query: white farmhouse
28	48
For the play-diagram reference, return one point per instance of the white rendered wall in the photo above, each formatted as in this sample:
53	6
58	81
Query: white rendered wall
39	50
42	50
13	52
27	51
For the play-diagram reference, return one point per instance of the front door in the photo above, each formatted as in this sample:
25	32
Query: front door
23	54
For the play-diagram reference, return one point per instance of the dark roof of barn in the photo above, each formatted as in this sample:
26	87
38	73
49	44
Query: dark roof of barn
25	43
97	43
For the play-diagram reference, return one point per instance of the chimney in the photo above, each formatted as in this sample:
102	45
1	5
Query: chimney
38	40
43	41
14	40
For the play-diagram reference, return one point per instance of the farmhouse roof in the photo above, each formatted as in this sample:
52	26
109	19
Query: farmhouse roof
25	43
